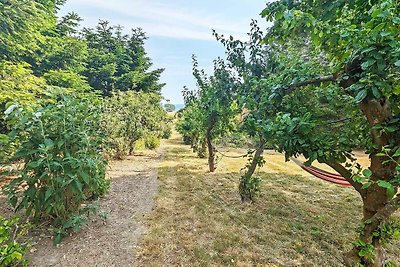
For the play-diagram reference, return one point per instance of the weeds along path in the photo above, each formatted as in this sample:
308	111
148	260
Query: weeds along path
110	240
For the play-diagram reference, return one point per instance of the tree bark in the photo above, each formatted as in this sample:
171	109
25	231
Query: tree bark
245	194
131	148
211	154
210	147
377	208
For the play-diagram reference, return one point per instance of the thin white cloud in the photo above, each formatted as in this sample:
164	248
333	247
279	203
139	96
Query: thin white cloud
160	19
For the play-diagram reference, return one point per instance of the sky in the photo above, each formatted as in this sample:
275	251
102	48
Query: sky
176	29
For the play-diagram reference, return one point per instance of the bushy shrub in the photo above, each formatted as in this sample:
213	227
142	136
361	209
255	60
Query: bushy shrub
59	147
166	127
152	142
167	132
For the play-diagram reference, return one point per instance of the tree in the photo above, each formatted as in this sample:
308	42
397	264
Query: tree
20	22
249	61
118	61
189	123
209	111
358	44
128	117
215	98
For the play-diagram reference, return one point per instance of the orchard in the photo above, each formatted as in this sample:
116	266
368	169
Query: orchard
286	153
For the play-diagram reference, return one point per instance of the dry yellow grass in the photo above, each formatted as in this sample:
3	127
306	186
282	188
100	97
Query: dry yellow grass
298	220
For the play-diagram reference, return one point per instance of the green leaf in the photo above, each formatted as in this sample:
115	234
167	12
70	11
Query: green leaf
48	194
384	184
358	178
16	255
85	177
391	129
361	95
397	63
77	185
366	185
48	143
31	192
377	94
367	173
362	253
4	139
390	192
389	188
279	15
57	239
397	153
381	65
359	243
368	63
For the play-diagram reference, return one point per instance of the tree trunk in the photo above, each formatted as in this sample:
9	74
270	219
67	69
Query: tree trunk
245	193
376	209
193	142
211	152
131	148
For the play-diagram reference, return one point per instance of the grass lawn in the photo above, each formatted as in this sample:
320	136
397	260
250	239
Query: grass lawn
198	220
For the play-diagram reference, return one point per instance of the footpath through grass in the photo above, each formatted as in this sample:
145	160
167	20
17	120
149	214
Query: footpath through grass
199	220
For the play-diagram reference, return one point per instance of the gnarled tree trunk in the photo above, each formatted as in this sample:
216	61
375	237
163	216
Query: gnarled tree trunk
377	208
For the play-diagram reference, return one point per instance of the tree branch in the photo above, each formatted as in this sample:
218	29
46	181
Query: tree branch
347	175
315	81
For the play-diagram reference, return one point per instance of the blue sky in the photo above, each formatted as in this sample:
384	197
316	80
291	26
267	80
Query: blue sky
176	30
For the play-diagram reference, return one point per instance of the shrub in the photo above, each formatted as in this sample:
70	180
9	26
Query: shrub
60	145
167	132
128	117
152	142
166	127
11	251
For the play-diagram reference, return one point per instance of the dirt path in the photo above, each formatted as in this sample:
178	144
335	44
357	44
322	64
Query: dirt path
109	241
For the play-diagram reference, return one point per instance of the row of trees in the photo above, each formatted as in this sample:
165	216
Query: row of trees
69	100
321	82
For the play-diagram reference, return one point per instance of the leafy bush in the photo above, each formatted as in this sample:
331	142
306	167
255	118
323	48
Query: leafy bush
60	145
152	142
166	127
131	116
11	251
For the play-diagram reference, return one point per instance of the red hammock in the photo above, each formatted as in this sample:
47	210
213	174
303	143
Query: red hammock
324	175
